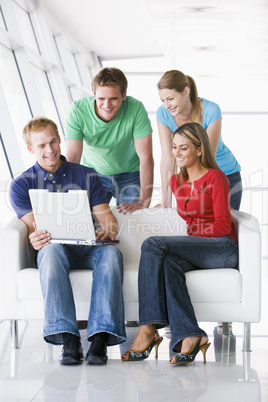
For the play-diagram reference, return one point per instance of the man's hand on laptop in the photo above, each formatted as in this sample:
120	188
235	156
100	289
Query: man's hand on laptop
39	238
102	234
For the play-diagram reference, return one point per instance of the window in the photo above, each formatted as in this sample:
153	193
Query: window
67	59
76	92
15	97
5	169
2	21
84	71
26	28
142	86
36	78
5	176
246	131
46	98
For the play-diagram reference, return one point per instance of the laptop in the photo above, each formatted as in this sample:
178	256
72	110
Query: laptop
66	216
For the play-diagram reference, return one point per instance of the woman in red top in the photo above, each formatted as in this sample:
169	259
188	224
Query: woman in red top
202	195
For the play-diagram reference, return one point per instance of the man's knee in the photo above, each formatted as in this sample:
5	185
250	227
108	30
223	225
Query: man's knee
112	259
50	258
50	251
116	256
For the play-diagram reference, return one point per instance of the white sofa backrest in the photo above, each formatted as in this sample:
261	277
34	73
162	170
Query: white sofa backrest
143	223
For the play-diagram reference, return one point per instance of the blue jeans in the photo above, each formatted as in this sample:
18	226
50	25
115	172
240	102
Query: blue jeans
106	309
235	190
163	295
124	187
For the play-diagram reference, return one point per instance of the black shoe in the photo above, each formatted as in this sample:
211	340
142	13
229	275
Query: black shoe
72	351
97	352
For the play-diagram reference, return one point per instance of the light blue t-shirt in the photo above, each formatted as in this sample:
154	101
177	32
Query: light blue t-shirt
211	112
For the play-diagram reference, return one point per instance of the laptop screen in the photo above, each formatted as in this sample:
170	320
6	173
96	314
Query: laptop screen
66	216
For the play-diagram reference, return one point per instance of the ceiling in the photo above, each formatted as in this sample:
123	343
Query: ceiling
224	42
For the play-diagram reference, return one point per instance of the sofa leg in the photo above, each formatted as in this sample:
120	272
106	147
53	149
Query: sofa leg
247	337
226	329
131	323
14	334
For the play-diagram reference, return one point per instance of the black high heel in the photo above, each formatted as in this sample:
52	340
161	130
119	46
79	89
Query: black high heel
189	357
135	355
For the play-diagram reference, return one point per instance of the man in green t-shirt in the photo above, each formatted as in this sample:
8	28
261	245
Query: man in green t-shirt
112	133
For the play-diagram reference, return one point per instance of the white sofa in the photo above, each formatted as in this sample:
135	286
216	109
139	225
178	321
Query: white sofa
225	295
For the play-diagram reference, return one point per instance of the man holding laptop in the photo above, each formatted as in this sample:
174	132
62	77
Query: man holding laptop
54	260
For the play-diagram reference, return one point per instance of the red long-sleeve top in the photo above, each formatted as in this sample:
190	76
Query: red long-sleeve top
207	210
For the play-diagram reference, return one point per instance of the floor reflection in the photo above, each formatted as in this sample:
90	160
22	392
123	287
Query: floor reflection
227	376
63	382
221	380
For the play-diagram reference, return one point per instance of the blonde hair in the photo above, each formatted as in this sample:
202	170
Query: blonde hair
175	79
35	125
198	136
110	77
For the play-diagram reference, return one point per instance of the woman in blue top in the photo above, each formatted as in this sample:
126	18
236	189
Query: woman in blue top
181	105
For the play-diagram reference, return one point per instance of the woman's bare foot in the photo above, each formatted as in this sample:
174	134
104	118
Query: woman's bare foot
188	343
144	335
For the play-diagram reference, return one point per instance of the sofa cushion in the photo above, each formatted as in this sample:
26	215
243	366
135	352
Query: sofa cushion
29	285
204	286
215	285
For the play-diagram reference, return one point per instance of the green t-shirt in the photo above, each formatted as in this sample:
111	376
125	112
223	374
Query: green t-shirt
109	147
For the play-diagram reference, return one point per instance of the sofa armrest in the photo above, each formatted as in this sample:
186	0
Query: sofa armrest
15	255
249	245
249	242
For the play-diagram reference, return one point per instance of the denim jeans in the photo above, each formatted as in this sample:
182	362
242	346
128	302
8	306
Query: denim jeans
106	308
124	187
163	295
235	190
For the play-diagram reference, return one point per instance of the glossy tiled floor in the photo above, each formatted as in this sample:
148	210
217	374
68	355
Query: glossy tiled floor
33	373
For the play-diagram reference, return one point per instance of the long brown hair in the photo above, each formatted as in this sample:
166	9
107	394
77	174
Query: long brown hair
175	79
198	136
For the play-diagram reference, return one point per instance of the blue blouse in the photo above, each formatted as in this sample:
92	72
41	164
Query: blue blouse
211	112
